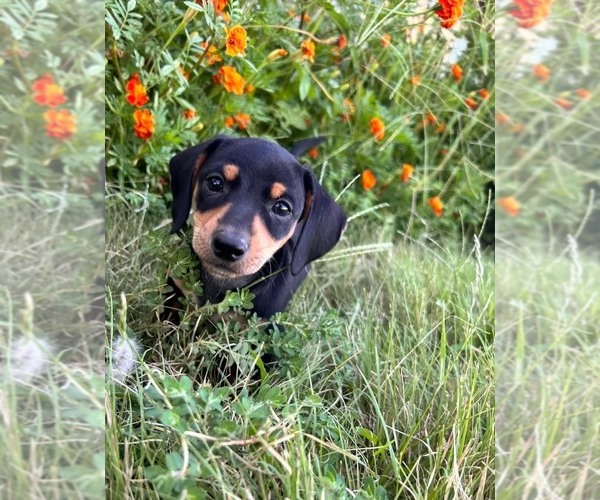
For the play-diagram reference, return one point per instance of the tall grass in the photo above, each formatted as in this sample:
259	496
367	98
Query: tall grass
547	373
51	363
388	390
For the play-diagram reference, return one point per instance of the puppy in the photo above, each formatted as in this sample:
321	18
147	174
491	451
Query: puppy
259	218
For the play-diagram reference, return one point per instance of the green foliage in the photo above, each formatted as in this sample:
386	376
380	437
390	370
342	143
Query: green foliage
42	42
546	153
384	377
289	98
52	371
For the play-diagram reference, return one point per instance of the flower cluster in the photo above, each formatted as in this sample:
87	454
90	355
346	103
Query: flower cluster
231	80
377	128
308	50
143	119
530	13
239	120
236	41
136	92
450	11
143	123
60	123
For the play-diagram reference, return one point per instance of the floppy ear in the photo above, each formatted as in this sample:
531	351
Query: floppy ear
322	224
183	168
300	147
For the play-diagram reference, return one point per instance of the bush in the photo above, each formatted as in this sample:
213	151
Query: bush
51	96
376	80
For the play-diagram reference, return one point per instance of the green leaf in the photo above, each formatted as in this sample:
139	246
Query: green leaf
304	84
368	435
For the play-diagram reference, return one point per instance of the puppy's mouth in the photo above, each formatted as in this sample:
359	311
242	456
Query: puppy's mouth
220	269
223	270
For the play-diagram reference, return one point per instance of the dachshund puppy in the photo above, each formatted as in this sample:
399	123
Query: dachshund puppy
259	218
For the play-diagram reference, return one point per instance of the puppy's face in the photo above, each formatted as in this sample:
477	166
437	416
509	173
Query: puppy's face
248	196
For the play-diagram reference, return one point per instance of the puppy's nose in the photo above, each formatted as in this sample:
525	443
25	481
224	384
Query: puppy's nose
229	246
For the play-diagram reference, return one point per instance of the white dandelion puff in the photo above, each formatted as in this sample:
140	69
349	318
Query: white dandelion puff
27	359
125	352
457	49
541	48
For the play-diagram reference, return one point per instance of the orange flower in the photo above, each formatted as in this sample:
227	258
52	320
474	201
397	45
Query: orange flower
249	89
510	205
136	92
230	79
368	180
242	120
541	71
46	92
517	128
472	103
313	153
407	171
436	205
449	11
184	72
229	121
415	80
189	113
530	13
583	93
235	41
377	128
386	40
143	123
342	42
563	103
307	48
483	93
60	123
456	72
429	119
218	5
210	53
502	118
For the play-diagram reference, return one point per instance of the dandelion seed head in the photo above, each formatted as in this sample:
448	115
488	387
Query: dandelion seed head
27	359
124	357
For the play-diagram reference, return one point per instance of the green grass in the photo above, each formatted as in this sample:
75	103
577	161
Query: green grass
51	411
384	388
547	373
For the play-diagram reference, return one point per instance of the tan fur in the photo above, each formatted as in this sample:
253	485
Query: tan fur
277	190
230	172
205	225
263	246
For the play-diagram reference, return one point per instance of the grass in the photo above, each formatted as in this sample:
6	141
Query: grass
51	362
384	386
547	398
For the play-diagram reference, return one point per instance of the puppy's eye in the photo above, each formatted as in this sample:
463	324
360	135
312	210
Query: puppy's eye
282	208
214	183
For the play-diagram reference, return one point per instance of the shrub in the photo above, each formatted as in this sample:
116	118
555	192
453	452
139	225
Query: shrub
374	79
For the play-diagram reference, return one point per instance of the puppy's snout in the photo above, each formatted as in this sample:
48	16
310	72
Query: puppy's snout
229	245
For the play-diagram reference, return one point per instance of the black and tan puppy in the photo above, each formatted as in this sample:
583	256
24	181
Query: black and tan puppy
259	217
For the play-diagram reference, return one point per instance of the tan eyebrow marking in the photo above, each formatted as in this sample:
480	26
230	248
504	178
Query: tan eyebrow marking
230	172
277	190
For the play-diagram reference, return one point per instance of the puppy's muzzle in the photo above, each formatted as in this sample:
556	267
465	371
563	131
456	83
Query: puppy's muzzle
230	245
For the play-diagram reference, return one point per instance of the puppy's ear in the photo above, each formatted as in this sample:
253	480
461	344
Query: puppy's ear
299	148
322	223
183	168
